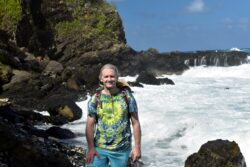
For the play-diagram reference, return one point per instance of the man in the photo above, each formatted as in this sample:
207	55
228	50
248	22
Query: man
108	131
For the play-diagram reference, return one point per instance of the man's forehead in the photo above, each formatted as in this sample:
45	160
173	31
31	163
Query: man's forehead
108	71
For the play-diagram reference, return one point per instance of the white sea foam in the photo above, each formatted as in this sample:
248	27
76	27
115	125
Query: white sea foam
45	113
206	103
235	49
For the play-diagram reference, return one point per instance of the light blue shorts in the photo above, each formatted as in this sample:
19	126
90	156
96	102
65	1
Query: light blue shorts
114	158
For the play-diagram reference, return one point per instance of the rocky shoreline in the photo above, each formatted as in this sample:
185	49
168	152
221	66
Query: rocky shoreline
50	55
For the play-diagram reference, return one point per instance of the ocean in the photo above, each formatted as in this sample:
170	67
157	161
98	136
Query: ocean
206	103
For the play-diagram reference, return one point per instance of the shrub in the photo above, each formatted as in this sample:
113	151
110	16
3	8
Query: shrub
10	14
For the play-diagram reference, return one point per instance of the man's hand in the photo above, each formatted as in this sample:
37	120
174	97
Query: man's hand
91	154
90	139
136	153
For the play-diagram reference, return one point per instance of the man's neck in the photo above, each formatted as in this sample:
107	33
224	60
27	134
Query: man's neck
110	91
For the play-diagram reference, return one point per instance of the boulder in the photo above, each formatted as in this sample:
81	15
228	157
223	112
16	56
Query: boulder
18	77
66	109
147	78
72	84
60	133
53	67
217	153
166	81
135	84
5	74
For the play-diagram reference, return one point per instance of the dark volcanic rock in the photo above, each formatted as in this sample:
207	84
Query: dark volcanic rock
21	144
60	133
135	84
211	58
65	108
147	78
21	151
217	153
166	81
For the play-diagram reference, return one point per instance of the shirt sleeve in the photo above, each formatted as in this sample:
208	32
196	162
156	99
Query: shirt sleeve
92	108
132	105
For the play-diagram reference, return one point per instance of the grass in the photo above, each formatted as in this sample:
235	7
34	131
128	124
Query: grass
10	14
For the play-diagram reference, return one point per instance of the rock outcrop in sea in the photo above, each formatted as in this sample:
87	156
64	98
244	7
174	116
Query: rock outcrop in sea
50	56
217	153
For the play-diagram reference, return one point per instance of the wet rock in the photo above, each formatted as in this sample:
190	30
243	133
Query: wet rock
147	78
166	81
135	84
6	112
21	144
217	153
132	163
35	131
65	108
60	133
26	152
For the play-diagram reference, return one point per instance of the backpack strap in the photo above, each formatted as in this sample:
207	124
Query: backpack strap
125	96
98	100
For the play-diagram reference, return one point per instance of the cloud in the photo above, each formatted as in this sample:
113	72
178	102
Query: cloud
196	6
242	24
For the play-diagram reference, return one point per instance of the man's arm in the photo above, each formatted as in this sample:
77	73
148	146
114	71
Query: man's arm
89	131
136	153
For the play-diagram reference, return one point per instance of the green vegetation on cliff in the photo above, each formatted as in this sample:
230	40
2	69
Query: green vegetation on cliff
71	27
10	14
95	23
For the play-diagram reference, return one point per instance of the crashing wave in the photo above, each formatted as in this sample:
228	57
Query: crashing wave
235	49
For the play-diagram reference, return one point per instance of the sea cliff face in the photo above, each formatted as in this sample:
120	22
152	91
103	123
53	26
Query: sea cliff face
50	56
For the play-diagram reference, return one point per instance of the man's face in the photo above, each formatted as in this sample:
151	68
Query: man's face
109	78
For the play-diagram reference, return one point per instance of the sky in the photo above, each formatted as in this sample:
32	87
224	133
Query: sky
185	25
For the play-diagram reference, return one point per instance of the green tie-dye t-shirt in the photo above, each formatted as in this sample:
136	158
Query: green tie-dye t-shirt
112	120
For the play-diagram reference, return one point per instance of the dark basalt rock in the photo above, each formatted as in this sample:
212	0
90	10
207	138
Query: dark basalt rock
166	81
64	108
135	84
149	78
217	153
60	133
22	144
20	150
